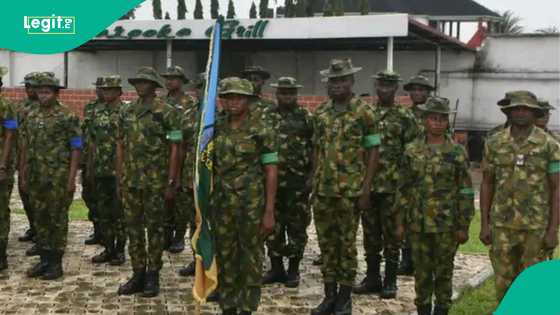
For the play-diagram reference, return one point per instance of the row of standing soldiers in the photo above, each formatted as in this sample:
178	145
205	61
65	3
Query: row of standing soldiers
397	169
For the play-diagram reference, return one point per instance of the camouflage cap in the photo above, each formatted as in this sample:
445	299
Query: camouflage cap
286	83
199	81
507	98
98	82
387	75
545	105
436	104
340	68
235	85
175	72
47	79
147	74
255	70
419	80
3	71
520	98
29	78
112	81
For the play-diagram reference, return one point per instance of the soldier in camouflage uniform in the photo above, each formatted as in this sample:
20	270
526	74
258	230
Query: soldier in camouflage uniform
181	214
49	162
345	140
382	222
521	173
438	199
148	137
8	129
242	202
542	122
88	184
102	148
505	125
293	214
258	77
22	109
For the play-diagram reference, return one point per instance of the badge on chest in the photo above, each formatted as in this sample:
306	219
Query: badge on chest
520	160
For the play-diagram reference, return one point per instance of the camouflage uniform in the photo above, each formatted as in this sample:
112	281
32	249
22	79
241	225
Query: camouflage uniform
519	218
397	127
438	199
50	137
341	139
237	202
9	122
89	194
103	134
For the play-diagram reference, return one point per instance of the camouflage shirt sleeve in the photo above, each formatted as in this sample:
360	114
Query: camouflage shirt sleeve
372	137
404	198
172	121
9	116
554	160
269	144
74	133
487	164
465	196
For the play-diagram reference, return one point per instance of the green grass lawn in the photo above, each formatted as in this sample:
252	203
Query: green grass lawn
78	210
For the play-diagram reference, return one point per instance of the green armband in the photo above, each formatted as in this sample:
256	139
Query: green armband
269	158
554	167
467	191
372	140
175	135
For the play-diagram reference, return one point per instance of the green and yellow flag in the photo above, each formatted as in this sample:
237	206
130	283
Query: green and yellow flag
206	276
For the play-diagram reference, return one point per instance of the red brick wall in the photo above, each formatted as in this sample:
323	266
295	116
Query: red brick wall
75	99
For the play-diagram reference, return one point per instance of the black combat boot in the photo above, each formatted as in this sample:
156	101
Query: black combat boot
441	310
119	257
372	282
406	267
389	290
188	271
343	304
95	237
178	241
39	268
151	284
318	261
27	236
327	305
33	251
54	266
103	257
277	273
292	279
134	285
213	297
425	309
231	311
3	257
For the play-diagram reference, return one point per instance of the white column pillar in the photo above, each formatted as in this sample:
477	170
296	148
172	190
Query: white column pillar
169	53
390	53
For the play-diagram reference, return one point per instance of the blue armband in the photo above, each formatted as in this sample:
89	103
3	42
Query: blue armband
76	143
10	124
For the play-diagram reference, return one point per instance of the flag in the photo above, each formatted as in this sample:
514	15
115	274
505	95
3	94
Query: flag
206	276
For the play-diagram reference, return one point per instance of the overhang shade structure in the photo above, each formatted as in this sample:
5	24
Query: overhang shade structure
379	32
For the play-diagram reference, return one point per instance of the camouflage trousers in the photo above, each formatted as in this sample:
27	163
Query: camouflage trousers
109	210
144	211
237	218
433	255
380	225
27	209
5	192
50	203
511	252
336	222
292	219
89	197
181	215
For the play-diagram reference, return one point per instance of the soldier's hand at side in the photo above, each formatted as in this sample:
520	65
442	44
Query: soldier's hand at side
551	239
3	174
399	233
364	202
71	187
485	235
462	236
268	222
170	194
22	184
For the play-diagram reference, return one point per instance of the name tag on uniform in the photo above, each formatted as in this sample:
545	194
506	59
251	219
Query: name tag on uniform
520	161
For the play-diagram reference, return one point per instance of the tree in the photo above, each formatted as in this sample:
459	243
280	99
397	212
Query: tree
156	9
167	16
129	15
301	8
230	10
214	9
328	8
509	24
198	14
289	8
364	7
338	9
263	9
309	8
181	9
253	11
549	30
